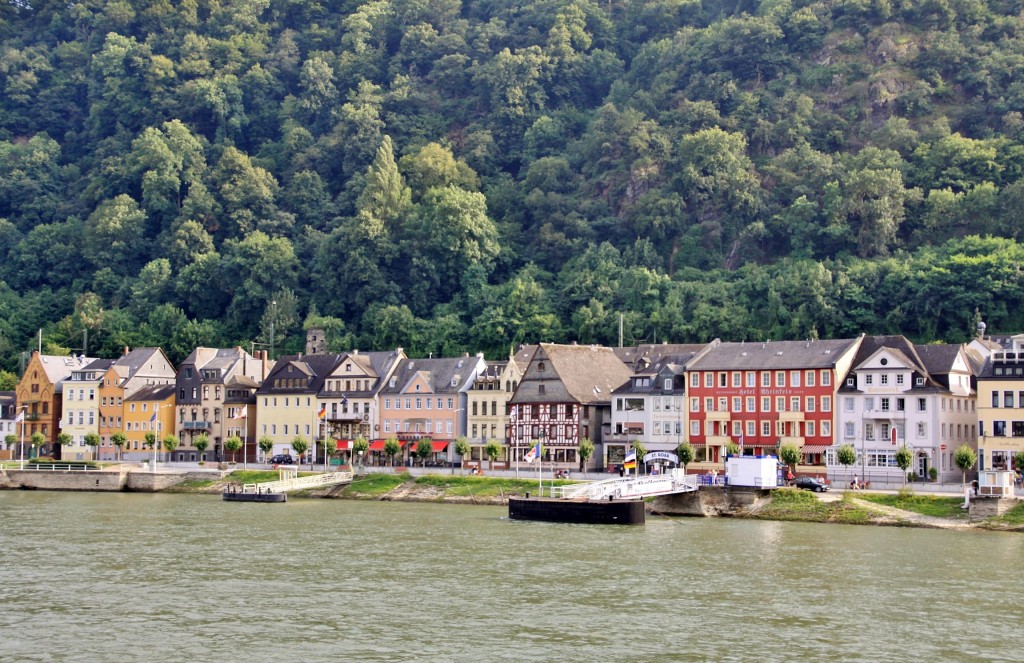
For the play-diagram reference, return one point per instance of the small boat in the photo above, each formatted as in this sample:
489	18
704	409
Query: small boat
249	495
593	512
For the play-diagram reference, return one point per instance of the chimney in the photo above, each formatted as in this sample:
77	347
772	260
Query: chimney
126	349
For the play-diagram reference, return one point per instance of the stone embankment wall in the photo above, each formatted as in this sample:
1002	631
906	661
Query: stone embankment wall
105	481
710	501
990	507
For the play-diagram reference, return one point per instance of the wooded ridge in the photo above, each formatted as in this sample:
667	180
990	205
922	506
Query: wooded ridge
454	176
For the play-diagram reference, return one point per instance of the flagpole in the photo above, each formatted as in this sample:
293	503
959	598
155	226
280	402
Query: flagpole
157	435
245	439
23	408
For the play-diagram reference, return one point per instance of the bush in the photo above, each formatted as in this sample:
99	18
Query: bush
933	473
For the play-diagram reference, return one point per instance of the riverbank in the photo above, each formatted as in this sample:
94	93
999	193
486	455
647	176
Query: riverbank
904	508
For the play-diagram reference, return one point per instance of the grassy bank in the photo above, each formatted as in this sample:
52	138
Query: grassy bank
926	505
799	505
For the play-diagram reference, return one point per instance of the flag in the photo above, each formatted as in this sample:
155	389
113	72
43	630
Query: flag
532	454
20	417
240	414
344	400
153	418
630	462
323	411
892	432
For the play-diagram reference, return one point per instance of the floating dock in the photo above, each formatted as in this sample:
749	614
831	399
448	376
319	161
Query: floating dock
592	512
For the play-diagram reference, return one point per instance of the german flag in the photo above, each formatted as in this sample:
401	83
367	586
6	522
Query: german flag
323	411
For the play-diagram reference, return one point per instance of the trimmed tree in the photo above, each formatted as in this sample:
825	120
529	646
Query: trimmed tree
391	449
964	458
64	440
360	447
149	440
686	454
202	443
424	447
10	440
170	443
92	440
641	451
300	445
232	445
37	441
846	455
266	445
904	457
1018	461
586	452
462	448
732	449
119	439
790	455
326	443
492	450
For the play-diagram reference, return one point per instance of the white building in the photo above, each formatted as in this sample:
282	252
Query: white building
81	408
897	394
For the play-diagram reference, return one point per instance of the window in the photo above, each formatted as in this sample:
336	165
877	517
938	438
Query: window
848	430
809	378
751	379
751	430
869	379
899	378
922	404
709	405
766	379
826	403
723	379
810	404
736	429
885	404
694	405
695	379
826	379
794	379
780	403
780	378
737	379
1007	399
810	429
901	404
766	428
995	399
848	404
869	431
884	378
694	428
766	404
794	404
751	402
920	429
667	384
737	404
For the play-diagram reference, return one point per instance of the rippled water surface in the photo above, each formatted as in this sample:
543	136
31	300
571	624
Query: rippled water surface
123	577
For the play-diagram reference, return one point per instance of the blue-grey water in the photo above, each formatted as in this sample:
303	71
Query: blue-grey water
129	577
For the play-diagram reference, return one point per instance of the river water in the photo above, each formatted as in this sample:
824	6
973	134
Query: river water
130	577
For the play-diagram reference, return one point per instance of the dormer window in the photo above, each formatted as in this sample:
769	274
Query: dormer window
541	366
348	368
540	389
850	382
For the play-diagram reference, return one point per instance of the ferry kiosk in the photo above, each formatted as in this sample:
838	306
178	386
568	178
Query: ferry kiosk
995	494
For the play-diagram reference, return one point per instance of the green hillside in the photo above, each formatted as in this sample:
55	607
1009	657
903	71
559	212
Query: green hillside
450	177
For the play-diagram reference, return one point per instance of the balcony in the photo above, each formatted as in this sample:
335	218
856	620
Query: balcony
797	440
717	415
791	416
718	440
195	425
32	416
885	415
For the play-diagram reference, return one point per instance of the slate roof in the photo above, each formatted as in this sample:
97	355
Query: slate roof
438	372
649	359
773	355
58	368
153	392
315	368
578	373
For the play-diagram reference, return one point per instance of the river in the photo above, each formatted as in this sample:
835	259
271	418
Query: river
131	577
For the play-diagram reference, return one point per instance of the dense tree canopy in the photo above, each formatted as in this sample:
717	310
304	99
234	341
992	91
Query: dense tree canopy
463	175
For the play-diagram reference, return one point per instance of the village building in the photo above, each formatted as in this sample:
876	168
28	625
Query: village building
426	398
286	402
762	395
900	394
130	372
1001	407
649	408
40	396
9	428
81	409
149	411
487	404
564	398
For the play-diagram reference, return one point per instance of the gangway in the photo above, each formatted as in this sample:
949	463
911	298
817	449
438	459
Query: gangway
624	488
291	481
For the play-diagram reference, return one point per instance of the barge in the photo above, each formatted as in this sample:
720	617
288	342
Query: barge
591	512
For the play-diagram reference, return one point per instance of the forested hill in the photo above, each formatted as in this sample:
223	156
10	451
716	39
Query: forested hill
453	177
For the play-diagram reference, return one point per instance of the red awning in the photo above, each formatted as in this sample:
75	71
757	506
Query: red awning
438	447
377	445
343	445
815	448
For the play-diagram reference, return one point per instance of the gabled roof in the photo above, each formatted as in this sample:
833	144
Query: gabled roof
314	368
443	374
153	392
642	357
581	373
773	355
940	358
130	363
58	368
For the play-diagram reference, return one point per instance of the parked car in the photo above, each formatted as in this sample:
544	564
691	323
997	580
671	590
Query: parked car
810	483
282	459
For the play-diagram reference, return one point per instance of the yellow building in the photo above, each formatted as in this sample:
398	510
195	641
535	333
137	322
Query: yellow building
1001	407
149	410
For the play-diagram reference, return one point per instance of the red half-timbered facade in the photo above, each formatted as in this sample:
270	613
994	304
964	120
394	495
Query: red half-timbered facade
764	395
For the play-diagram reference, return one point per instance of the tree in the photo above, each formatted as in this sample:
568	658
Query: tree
424	447
359	447
201	443
492	450
232	445
462	449
586	451
904	457
92	440
64	440
1018	460
300	445
790	455
732	449
10	440
641	451
846	455
391	449
119	439
266	445
686	454
964	458
169	443
37	441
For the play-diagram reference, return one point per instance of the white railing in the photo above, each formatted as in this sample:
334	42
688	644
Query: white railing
59	467
299	483
631	487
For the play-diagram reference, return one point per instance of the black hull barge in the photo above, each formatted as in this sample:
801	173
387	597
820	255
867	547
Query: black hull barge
255	497
590	512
